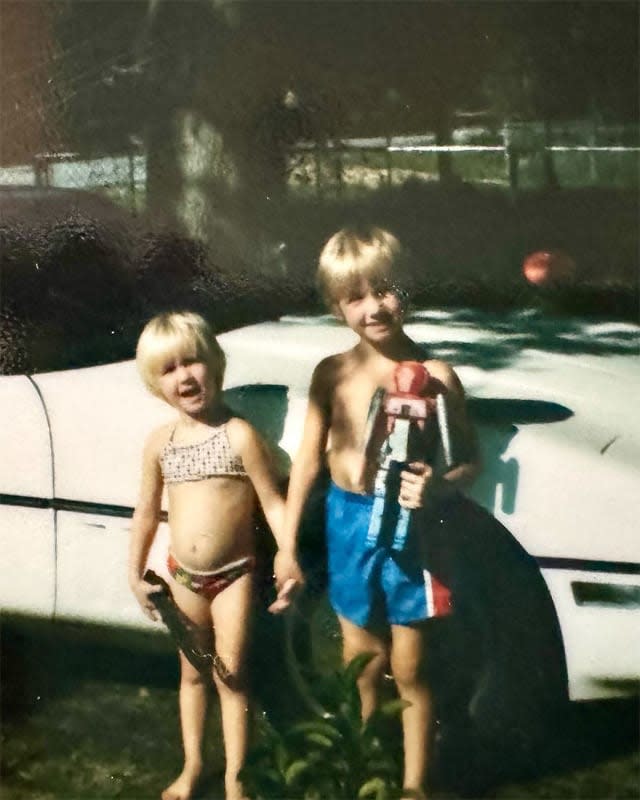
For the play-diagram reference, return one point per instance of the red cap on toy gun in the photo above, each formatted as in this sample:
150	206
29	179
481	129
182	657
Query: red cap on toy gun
411	379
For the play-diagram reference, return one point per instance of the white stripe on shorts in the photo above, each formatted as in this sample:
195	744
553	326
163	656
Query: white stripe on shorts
428	592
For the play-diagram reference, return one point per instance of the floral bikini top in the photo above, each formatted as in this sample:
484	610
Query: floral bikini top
196	462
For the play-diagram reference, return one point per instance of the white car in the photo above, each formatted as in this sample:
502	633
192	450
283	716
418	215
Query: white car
548	585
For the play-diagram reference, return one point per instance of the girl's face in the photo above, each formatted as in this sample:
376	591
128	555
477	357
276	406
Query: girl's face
186	383
374	312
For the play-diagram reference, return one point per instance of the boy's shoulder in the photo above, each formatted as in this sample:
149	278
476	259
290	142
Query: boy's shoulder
327	371
444	372
438	368
335	359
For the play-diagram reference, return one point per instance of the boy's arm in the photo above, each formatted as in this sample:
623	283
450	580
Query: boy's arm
306	465
146	518
466	453
420	483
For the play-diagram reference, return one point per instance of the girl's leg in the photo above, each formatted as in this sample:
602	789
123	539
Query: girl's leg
357	640
194	689
408	648
231	612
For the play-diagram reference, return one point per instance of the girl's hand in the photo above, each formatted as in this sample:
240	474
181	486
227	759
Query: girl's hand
415	484
285	568
143	592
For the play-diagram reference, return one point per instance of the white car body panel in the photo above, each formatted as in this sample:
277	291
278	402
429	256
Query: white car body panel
92	575
27	542
107	413
25	450
565	485
27	533
602	645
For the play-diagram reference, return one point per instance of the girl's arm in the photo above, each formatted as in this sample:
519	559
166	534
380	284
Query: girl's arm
146	518
306	465
258	463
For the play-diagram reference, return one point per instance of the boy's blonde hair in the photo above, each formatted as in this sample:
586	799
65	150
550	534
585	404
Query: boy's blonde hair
354	254
177	333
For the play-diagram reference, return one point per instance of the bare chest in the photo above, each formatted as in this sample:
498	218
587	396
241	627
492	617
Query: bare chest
351	402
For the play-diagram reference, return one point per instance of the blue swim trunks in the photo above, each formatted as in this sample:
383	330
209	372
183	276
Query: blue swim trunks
370	585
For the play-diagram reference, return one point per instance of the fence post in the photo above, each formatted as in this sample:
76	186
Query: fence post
593	160
388	162
550	174
318	166
510	157
41	170
337	166
132	180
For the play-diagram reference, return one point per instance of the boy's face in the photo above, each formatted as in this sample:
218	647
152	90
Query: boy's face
375	313
185	382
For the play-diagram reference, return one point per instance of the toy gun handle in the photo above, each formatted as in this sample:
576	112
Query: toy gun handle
184	631
443	427
403	410
404	515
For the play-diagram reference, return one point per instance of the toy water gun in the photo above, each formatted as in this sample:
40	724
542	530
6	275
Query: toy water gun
392	434
184	632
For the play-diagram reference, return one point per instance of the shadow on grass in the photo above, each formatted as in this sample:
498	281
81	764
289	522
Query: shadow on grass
591	752
111	708
593	732
41	661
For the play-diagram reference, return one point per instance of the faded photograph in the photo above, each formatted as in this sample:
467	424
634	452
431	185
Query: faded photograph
319	358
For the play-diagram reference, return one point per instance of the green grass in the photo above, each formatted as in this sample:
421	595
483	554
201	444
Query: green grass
82	722
92	743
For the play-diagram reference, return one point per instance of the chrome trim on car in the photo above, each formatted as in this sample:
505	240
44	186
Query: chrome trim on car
78	506
587	565
605	594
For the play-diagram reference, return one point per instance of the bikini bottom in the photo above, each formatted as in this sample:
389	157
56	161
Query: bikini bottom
209	583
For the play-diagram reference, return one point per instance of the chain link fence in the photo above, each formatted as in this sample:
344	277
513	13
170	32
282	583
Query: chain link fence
518	156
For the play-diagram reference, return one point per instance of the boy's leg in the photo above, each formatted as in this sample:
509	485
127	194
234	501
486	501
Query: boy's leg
231	613
357	640
193	696
408	648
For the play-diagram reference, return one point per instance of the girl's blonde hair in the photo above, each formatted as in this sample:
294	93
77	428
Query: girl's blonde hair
177	333
352	255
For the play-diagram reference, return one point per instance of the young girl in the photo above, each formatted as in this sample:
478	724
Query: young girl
216	469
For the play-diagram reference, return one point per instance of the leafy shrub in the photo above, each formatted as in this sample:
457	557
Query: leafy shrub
334	756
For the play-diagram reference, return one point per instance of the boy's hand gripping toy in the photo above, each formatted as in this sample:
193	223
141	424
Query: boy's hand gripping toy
399	416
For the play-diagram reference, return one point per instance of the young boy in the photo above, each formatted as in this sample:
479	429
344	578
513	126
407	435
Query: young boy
378	594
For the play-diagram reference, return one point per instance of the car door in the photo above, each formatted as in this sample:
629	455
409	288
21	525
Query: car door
27	517
100	417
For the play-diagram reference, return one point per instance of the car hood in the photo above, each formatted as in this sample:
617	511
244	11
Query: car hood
588	371
553	400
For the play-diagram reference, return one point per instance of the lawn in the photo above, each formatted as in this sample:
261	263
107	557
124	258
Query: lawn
81	721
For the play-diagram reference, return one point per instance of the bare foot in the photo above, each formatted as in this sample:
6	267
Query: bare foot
413	794
183	786
235	791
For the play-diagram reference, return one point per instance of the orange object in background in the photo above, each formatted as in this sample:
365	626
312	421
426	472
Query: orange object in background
549	267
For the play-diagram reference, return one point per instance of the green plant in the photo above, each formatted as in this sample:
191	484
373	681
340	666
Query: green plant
330	757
